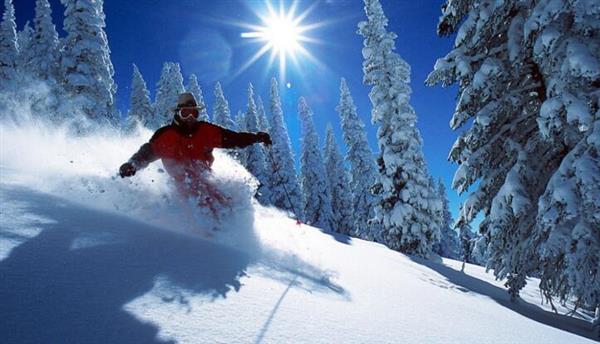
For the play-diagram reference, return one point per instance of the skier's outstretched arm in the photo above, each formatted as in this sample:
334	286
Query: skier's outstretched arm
142	158
233	139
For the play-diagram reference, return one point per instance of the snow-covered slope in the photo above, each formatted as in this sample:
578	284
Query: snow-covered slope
89	258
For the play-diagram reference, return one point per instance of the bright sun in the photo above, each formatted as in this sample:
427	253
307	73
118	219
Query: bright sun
281	33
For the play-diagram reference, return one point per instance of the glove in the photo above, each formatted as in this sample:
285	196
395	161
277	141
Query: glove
264	138
127	170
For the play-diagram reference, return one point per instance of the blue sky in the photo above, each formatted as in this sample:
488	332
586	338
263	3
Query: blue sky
201	36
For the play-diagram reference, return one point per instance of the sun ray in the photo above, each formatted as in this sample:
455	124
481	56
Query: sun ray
282	66
304	14
311	27
307	39
295	61
312	58
253	59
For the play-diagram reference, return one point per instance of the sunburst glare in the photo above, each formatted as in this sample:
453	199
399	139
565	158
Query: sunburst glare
282	33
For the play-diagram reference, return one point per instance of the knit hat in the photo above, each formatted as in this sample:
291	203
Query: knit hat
186	100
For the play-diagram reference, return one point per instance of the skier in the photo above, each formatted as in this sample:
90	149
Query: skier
185	147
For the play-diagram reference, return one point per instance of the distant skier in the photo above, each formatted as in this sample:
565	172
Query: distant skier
185	147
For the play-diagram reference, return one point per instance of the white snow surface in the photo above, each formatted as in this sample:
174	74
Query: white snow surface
88	257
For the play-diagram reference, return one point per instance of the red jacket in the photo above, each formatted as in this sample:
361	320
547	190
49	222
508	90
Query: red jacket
186	152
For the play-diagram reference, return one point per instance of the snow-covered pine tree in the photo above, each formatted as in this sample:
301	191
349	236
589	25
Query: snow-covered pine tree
316	199
177	79
448	246
284	182
479	253
43	65
339	186
44	49
195	89
569	224
467	239
240	121
9	50
263	122
85	61
222	114
408	204
363	171
255	156
162	99
168	88
24	42
528	75
141	111
264	126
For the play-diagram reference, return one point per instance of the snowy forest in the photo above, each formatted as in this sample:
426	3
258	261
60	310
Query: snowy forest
527	118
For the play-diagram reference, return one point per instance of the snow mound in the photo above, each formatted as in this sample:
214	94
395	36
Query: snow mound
86	256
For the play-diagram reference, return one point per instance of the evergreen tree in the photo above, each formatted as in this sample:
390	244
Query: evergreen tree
241	154
408	205
255	156
264	126
316	200
448	246
43	64
467	240
528	76
240	121
163	99
44	48
177	79
24	41
141	112
8	46
263	122
168	89
222	114
195	89
88	70
362	166
285	190
569	225
337	178
479	254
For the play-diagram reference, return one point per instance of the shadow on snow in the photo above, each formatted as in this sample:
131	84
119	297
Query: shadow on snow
501	296
52	290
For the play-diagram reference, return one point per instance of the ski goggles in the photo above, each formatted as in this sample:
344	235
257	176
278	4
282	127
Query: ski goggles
188	113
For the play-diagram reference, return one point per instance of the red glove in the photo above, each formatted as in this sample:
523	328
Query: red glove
127	170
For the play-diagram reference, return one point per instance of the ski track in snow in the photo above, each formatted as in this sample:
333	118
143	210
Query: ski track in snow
88	257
